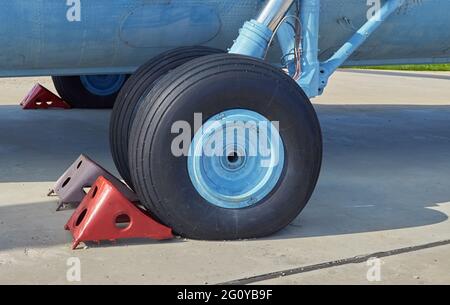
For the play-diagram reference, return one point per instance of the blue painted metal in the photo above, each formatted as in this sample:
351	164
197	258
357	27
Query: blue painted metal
328	67
256	35
253	40
113	36
117	36
146	22
228	164
285	37
310	17
103	85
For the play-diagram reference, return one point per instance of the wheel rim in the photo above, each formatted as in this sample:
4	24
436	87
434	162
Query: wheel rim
103	85
240	172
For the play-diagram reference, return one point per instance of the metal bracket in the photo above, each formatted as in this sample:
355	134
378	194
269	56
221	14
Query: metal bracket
328	67
256	34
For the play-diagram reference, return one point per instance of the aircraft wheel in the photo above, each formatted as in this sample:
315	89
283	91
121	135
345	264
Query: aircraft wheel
128	100
89	91
210	187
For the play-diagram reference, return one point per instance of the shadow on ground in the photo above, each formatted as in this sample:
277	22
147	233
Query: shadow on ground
38	225
385	167
39	145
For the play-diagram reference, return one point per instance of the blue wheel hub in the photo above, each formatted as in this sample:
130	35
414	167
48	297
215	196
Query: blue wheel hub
236	159
103	85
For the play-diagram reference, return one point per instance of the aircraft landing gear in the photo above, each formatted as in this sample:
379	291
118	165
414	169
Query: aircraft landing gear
222	146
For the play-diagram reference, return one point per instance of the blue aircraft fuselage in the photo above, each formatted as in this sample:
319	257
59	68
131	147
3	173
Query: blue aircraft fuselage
59	37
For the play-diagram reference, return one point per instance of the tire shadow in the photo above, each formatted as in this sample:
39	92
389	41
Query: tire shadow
384	168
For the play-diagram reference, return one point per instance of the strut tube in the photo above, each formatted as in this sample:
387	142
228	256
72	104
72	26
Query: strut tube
255	36
273	12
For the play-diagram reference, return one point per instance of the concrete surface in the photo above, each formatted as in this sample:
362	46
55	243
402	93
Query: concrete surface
415	268
384	186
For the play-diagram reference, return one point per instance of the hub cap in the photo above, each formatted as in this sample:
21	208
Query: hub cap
103	85
236	159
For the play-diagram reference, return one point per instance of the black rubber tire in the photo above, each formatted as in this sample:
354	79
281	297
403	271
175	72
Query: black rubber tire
139	84
210	85
72	90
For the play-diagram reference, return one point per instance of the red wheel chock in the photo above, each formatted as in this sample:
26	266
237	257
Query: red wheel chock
81	174
41	98
105	214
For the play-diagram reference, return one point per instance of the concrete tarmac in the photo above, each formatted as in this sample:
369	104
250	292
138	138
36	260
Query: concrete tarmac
384	191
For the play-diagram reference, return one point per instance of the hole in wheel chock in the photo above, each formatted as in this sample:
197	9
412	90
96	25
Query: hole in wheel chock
122	221
94	192
81	218
66	181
